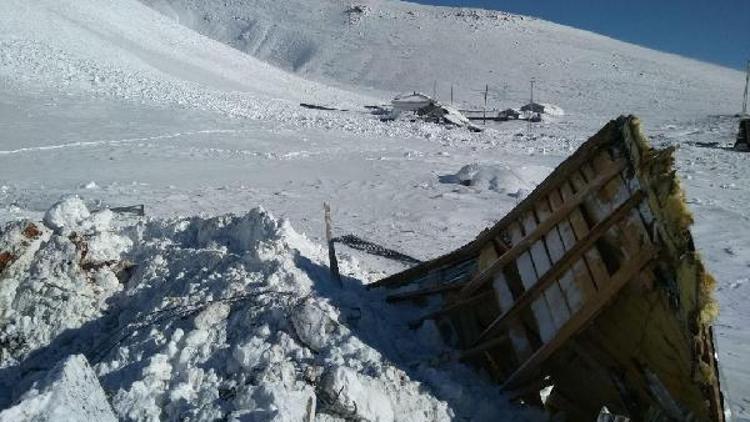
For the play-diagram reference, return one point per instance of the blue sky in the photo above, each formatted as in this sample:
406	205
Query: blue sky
716	31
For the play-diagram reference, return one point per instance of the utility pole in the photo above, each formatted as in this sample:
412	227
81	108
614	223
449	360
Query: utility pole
434	90
531	102
451	94
747	87
486	88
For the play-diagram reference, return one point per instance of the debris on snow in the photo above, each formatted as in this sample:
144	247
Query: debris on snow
430	110
508	114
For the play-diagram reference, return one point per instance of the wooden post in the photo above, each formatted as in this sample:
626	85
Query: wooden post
333	262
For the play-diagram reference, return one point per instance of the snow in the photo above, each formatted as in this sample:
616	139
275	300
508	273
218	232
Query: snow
553	110
108	103
66	215
69	391
234	317
61	279
515	181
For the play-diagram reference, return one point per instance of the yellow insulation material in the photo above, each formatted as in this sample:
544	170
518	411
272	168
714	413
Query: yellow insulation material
655	169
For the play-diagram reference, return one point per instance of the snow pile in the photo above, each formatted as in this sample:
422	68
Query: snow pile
60	278
68	392
553	110
230	317
501	178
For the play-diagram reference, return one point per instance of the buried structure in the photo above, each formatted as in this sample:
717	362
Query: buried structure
591	286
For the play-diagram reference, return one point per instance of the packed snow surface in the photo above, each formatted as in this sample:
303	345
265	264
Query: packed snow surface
199	313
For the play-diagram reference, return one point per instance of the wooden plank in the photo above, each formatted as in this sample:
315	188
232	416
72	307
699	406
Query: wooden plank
516	331
553	294
572	295
539	307
523	244
495	342
506	289
427	291
581	276
591	309
632	227
464	255
531	294
599	273
453	306
616	245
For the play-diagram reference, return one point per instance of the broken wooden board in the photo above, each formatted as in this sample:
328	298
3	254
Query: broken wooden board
592	285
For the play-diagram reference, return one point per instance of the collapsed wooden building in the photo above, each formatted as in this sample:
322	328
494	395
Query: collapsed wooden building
592	285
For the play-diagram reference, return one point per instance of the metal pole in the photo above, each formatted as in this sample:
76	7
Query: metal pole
747	87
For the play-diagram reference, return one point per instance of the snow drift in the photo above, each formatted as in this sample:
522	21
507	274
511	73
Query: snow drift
228	317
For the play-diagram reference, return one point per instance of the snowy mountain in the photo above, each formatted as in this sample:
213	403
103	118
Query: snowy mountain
192	109
397	46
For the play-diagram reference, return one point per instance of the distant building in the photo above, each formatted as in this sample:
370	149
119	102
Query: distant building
412	102
533	108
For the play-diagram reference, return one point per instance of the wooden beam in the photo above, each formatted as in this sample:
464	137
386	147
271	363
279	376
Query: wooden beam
571	256
453	259
630	270
431	290
497	341
542	229
453	306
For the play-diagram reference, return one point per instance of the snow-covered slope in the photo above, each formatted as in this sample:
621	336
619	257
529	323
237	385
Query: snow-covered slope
124	48
399	46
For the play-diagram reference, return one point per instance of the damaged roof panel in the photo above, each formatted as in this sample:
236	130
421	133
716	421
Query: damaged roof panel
592	285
